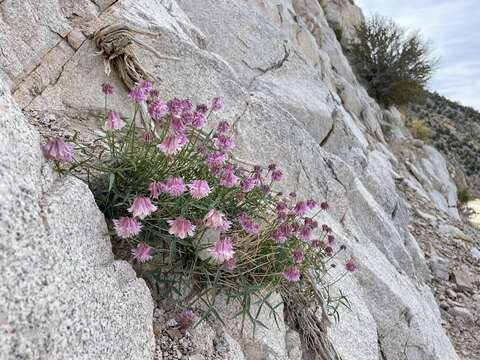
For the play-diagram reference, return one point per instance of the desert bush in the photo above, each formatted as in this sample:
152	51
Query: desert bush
464	195
419	130
199	222
394	66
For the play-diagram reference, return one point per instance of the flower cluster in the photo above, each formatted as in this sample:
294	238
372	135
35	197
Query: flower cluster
173	191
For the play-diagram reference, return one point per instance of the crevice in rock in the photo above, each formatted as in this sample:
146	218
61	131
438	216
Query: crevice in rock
279	9
96	5
329	164
17	85
275	66
411	172
109	6
344	216
55	32
55	81
240	115
395	209
380	348
306	173
332	128
278	64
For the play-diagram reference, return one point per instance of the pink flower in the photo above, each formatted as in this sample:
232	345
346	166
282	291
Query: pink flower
216	220
316	244
223	127
287	230
324	206
113	121
175	106
217	103
147	137
199	120
222	250
157	109
216	171
330	239
216	158
127	227
186	105
312	224
107	89
146	86
282	233
187	117
281	209
181	227
173	144
224	143
326	228
295	227
142	207
248	224
278	236
292	274
350	266
186	319
56	149
156	188
257	174
247	185
305	233
298	256
175	186
277	175
137	94
230	264
177	125
199	189
312	204
228	179
301	208
142	252
203	108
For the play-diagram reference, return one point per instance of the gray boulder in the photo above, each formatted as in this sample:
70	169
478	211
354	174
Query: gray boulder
63	295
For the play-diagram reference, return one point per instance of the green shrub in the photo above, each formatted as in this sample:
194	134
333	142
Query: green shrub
464	195
419	130
394	67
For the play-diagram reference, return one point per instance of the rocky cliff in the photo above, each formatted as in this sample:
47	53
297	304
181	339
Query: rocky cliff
296	102
455	131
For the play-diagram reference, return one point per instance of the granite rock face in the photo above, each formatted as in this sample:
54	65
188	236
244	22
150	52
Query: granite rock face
295	101
63	295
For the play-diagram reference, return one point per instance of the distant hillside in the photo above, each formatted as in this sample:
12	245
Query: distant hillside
455	131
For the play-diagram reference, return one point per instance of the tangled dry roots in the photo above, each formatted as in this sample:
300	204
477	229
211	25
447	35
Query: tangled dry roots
300	316
116	42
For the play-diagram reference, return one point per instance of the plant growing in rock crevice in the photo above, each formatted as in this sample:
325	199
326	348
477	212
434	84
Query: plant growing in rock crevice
199	222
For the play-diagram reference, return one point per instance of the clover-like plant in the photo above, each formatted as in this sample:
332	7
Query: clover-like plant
193	218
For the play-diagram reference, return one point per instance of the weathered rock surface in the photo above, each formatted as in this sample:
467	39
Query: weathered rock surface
295	102
449	246
63	295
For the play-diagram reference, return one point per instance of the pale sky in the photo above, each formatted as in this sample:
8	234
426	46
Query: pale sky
453	26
